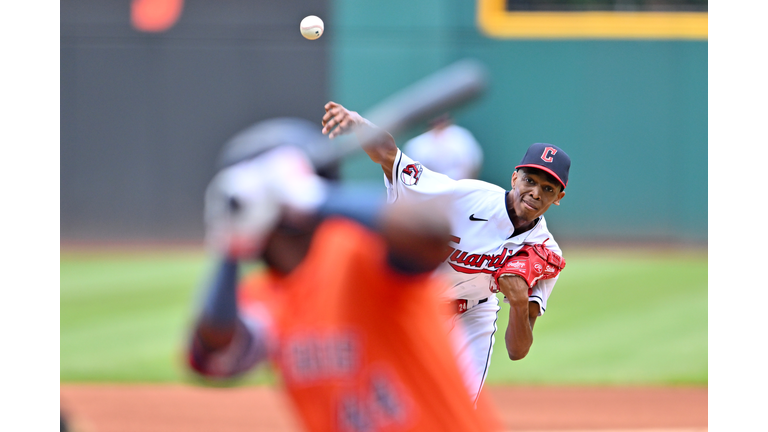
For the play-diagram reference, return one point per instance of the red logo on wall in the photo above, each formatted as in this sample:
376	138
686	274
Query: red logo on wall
154	16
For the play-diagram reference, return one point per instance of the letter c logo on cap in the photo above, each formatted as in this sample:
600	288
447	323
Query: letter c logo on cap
548	153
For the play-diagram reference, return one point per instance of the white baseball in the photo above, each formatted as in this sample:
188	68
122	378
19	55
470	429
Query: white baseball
311	27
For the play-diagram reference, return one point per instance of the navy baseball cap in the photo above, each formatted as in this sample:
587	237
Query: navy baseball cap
549	158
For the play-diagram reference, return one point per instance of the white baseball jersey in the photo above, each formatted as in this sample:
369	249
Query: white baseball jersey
481	228
452	151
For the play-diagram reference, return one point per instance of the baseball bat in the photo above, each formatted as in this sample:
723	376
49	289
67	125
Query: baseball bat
448	88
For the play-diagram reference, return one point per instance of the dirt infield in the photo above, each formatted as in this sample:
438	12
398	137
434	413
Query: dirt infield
171	408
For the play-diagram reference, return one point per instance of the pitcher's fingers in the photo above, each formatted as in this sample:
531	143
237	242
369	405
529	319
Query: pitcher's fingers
328	122
329	125
327	115
329	105
332	118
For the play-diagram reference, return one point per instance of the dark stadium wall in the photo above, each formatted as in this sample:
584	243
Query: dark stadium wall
143	115
632	113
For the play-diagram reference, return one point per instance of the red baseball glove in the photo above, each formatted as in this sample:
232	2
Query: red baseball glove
531	263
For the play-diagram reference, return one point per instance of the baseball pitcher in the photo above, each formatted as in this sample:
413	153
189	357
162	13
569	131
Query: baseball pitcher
500	241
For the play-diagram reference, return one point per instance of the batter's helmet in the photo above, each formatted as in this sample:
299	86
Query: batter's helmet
271	133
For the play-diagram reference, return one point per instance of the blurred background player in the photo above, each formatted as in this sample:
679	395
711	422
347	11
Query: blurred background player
346	310
499	239
447	148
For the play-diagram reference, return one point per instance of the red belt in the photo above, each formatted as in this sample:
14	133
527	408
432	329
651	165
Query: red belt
460	306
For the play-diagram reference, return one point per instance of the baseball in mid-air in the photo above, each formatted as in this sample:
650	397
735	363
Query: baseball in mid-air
312	27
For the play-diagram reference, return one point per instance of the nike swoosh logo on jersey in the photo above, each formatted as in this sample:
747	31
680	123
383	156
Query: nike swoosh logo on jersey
473	218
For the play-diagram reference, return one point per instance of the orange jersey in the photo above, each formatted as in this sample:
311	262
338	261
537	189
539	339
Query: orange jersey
360	346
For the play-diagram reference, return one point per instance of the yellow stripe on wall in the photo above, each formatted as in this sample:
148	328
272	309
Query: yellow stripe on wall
495	21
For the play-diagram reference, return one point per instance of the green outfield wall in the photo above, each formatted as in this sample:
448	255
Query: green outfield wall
632	113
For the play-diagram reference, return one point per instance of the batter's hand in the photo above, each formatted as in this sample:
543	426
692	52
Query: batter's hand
417	237
341	118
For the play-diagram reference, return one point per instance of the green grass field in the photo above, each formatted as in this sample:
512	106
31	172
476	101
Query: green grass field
614	318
